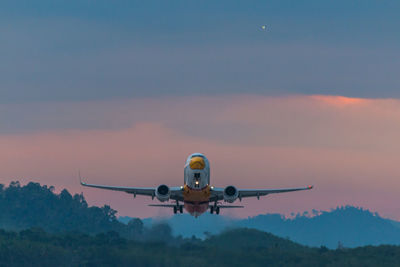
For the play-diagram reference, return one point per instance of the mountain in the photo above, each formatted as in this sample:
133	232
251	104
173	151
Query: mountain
35	205
349	226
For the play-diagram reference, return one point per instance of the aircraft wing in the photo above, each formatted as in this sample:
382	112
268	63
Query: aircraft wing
218	192
176	192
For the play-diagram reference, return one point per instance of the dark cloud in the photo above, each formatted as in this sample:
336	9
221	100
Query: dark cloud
84	50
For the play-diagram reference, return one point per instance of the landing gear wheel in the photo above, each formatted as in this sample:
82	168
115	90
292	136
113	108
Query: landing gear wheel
217	210
181	209
175	210
211	209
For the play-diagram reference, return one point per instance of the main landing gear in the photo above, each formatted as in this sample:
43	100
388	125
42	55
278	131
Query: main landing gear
178	207
214	208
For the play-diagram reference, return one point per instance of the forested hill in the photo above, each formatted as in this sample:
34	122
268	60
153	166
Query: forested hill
351	226
51	229
34	205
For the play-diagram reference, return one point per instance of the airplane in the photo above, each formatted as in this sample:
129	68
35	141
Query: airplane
196	194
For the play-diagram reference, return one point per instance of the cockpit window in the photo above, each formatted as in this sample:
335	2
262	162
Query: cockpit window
197	155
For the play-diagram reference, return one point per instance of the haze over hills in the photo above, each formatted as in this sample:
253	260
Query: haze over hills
350	226
41	228
35	205
51	229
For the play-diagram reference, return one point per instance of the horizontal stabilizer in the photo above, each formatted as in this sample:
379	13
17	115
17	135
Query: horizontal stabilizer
174	205
163	205
229	206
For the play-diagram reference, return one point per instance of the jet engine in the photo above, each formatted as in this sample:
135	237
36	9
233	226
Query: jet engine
230	194
163	193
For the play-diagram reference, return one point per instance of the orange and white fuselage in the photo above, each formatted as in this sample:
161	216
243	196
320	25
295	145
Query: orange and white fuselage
196	189
196	192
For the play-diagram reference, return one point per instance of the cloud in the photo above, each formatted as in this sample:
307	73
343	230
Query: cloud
348	148
316	121
76	51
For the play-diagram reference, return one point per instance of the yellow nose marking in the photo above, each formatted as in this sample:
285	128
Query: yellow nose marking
197	163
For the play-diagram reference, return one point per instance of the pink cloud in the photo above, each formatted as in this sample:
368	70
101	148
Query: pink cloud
347	148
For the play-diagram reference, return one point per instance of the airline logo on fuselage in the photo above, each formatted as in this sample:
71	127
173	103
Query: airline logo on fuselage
197	163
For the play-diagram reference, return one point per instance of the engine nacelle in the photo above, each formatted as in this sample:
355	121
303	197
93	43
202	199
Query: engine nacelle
230	194
163	193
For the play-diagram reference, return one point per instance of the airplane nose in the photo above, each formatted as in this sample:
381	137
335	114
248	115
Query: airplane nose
197	163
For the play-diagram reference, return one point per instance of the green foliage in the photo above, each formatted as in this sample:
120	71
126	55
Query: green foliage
35	247
243	238
61	230
34	205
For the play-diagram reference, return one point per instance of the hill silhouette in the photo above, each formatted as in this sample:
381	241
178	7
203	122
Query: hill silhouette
351	226
244	238
49	229
34	205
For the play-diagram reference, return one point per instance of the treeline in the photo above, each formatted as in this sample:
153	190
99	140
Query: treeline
34	205
241	247
49	229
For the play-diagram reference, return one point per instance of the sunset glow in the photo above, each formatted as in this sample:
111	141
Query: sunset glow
340	101
251	142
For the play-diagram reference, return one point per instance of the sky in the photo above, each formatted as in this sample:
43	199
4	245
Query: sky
126	90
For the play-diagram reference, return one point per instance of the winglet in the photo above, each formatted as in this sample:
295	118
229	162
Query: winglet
80	178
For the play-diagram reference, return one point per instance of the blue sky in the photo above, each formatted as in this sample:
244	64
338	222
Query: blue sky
97	50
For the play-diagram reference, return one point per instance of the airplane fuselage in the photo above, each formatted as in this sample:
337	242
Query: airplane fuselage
196	191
